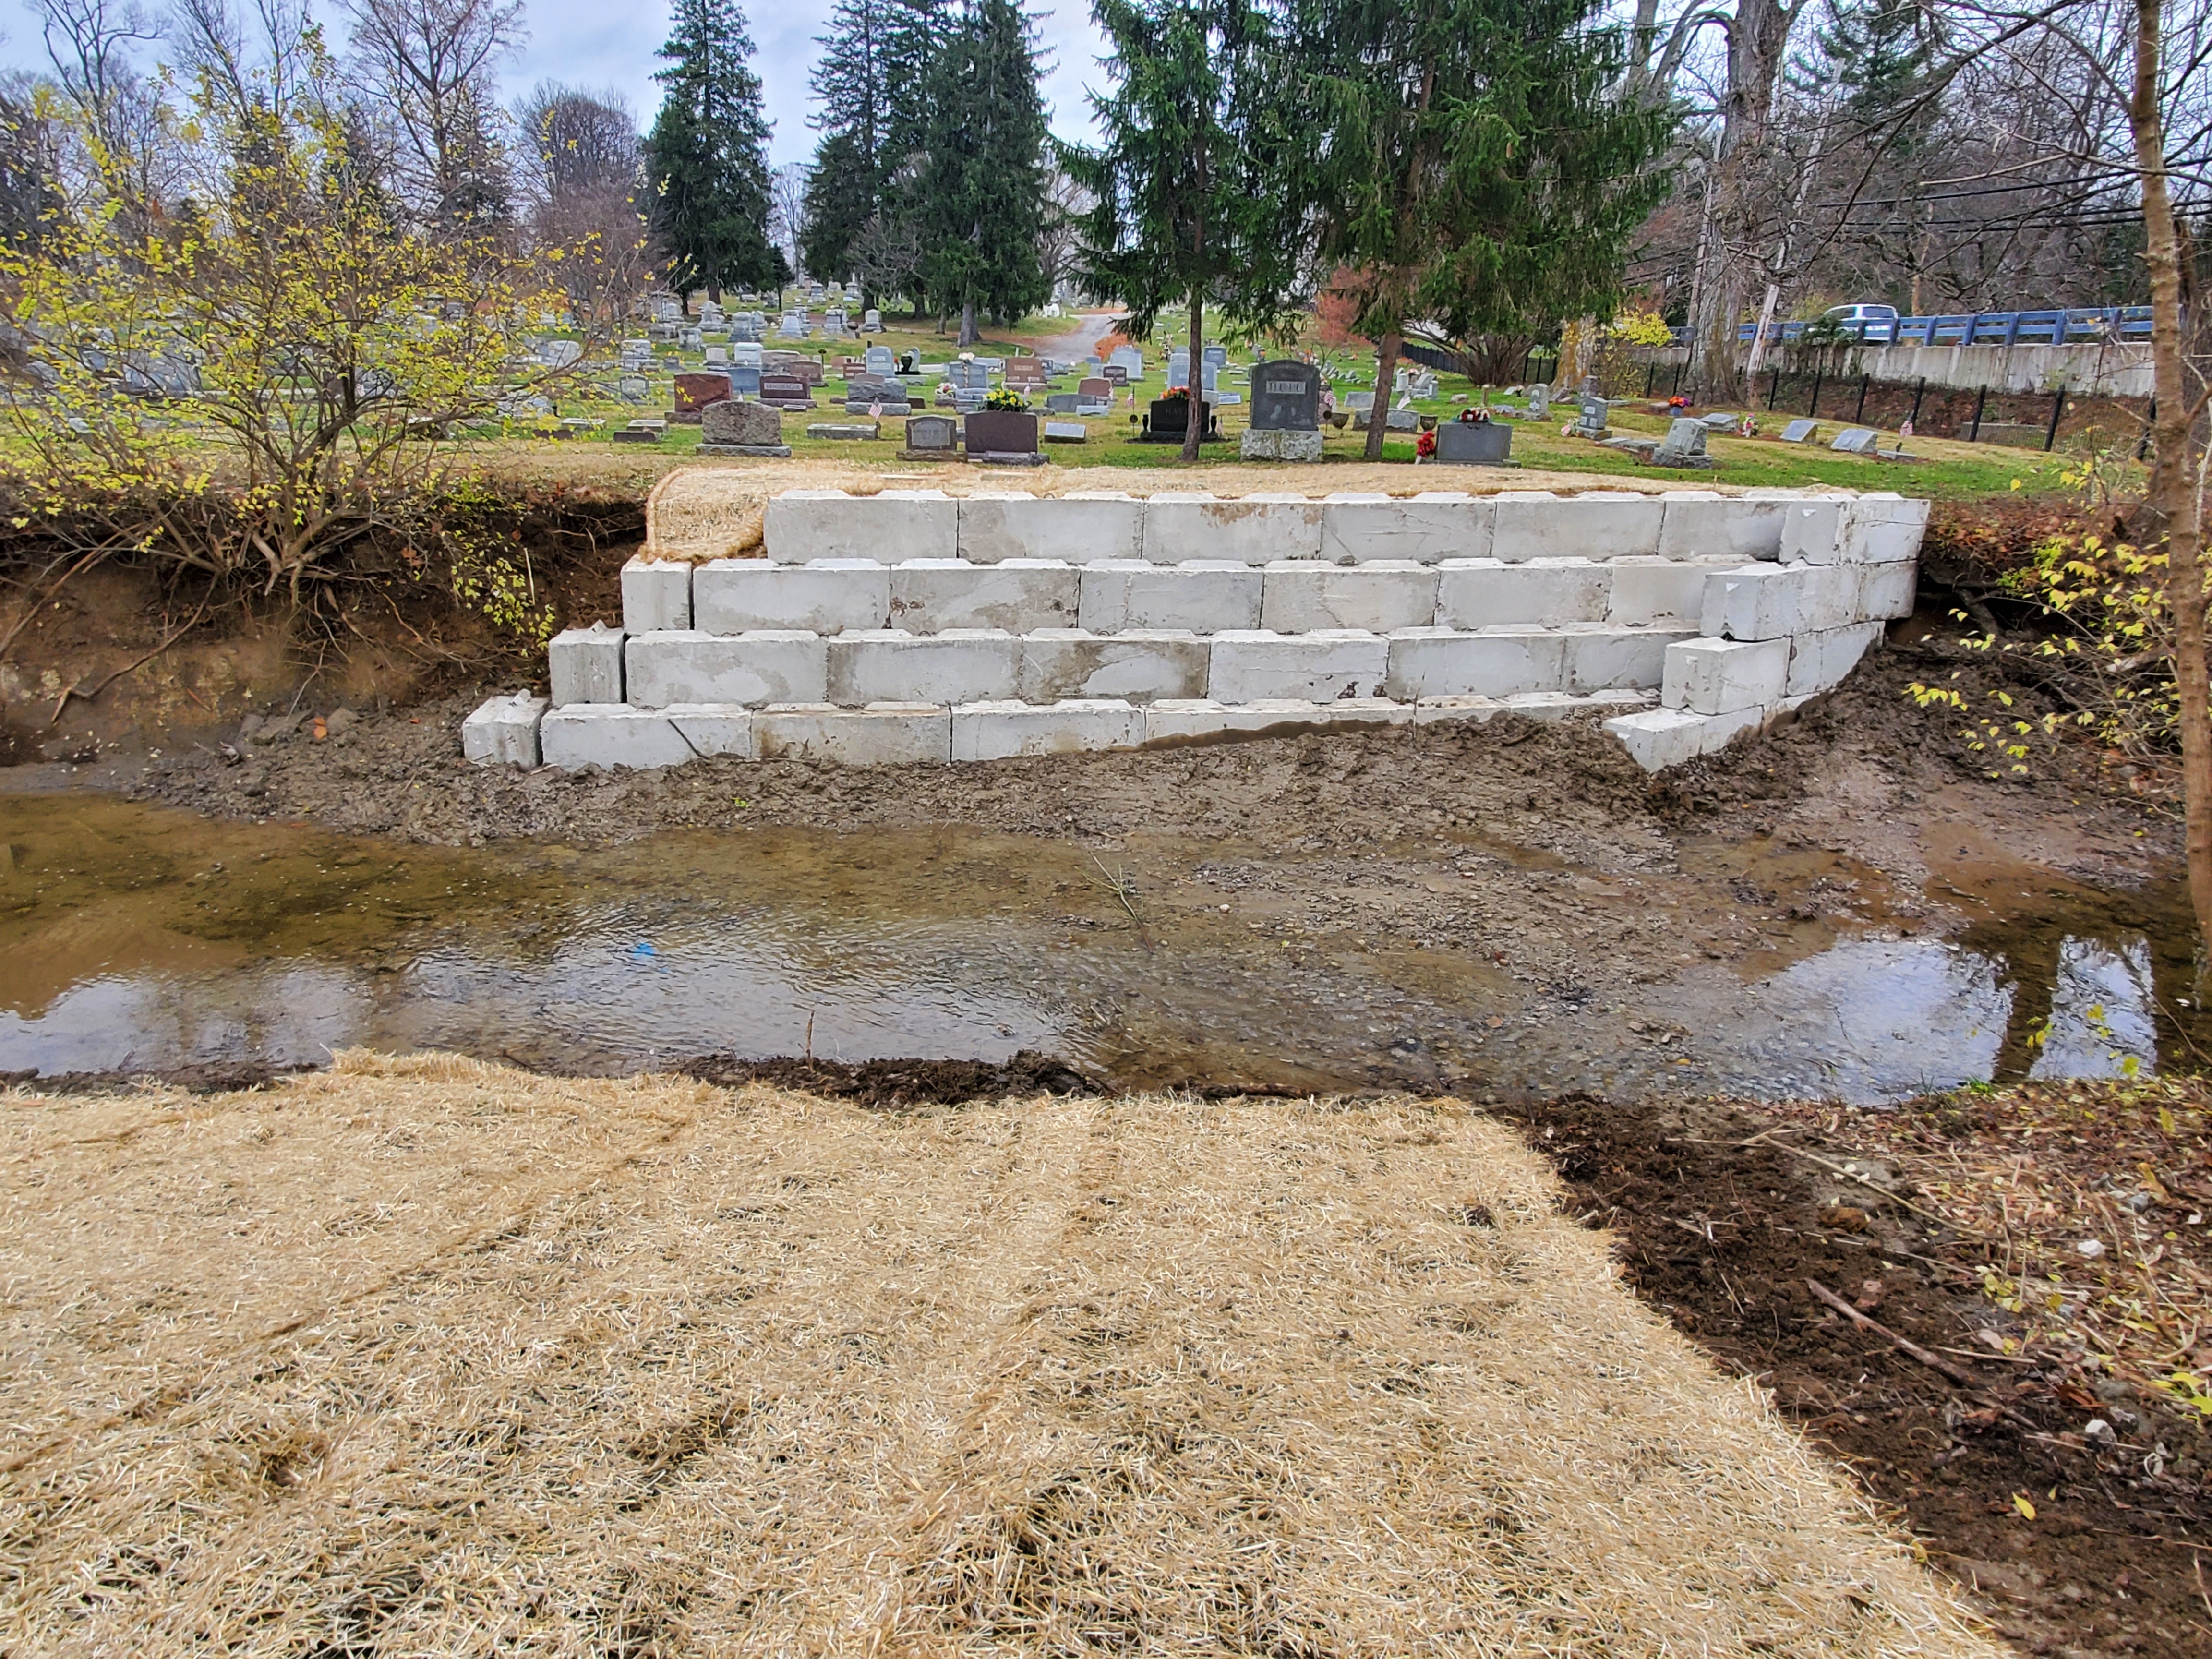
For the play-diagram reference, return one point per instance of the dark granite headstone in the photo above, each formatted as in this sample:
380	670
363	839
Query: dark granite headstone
1286	396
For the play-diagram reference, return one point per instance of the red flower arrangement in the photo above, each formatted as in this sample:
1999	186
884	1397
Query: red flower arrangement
1426	445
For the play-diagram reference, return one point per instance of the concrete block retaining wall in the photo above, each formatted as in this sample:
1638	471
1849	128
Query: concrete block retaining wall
914	626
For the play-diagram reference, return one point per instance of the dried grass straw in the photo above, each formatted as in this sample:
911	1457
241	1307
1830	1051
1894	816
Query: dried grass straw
427	1356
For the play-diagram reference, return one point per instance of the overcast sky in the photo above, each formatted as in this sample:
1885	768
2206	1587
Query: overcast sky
582	42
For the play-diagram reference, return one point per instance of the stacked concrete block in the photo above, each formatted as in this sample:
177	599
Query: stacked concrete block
1496	662
1725	677
1326	666
770	665
1001	731
1698	523
1080	528
1653	592
1299	596
824	596
933	595
878	734
596	734
585	665
504	731
1598	657
1205	595
1601	525
1887	591
1432	528
1492	593
1251	529
1196	720
656	595
1139	666
805	525
1820	659
1660	737
968	664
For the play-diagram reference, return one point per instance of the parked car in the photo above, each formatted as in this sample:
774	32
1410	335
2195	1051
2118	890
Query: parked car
1877	323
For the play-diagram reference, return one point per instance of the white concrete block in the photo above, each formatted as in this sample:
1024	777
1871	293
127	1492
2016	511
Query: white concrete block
1139	665
1255	530
1602	657
999	730
738	596
1599	525
1299	596
771	665
656	596
1205	596
1490	593
968	664
1659	737
928	596
1432	527
1250	665
504	731
1697	525
1662	592
1186	721
609	735
585	665
1819	661
1831	596
1888	590
1077	529
1812	530
804	525
1433	711
1720	677
1443	662
1757	602
713	728
1884	529
881	734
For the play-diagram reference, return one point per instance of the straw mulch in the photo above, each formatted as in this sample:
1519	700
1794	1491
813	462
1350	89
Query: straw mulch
425	1356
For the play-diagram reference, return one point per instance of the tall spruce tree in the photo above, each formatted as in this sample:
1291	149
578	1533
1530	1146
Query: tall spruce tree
1475	190
1192	180
871	83
978	195
707	156
841	200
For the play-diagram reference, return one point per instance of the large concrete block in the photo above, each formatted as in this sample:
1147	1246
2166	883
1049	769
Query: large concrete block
1831	597
1820	660
504	731
1490	593
1663	593
1300	595
999	730
1255	530
1720	677
1197	720
1438	711
1139	665
713	728
656	596
585	665
1599	525
1250	665
930	595
1432	527
1757	602
1077	529
1884	529
804	525
1698	525
610	735
881	734
892	665
738	596
1887	591
1602	657
771	665
1205	596
1812	530
1443	662
1659	737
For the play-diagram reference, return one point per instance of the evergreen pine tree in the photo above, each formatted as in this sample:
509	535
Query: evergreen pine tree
707	156
1876	54
978	194
871	80
841	200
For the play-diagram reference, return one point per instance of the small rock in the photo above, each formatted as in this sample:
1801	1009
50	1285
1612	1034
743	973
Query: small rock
340	719
1845	1219
2089	1249
2112	1390
2098	1433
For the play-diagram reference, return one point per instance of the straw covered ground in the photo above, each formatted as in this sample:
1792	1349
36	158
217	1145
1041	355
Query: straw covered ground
429	1356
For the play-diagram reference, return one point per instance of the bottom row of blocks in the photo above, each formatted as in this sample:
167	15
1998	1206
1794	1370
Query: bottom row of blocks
520	730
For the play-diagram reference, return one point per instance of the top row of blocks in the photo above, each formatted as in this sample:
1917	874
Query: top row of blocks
1515	525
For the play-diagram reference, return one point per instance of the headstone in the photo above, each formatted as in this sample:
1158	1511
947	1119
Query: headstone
966	376
1066	432
638	432
694	392
1116	372
1094	396
1591	421
1286	396
1473	443
872	321
1025	372
878	361
1131	360
1683	446
1179	367
1540	403
786	392
792	327
718	356
745	380
747	352
1856	440
930	438
1208	379
731	427
633	388
1800	431
1061	403
560	354
666	309
1215	356
1717	421
840	429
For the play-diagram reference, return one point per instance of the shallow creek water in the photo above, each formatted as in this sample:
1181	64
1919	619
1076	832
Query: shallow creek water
137	938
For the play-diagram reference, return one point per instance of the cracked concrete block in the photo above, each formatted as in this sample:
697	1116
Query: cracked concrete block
585	665
928	596
609	735
1077	529
1000	730
1602	657
880	734
1757	602
1445	662
769	665
740	596
1254	530
804	525
1139	666
1598	524
1475	593
656	596
1887	591
1205	596
1195	720
1299	596
504	731
1662	592
1356	528
713	728
1697	524
967	665
1659	737
1822	658
1250	665
1721	676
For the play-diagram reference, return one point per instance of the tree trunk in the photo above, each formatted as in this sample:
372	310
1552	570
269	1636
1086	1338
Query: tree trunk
2171	503
1195	425
1757	41
968	335
1386	371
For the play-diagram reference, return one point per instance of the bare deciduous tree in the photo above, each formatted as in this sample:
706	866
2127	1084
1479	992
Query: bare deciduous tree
432	62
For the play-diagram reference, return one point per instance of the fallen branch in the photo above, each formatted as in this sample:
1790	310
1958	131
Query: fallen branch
1905	1345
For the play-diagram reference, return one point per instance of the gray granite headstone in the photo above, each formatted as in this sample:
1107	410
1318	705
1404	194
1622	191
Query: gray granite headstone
1286	396
1798	432
932	434
1856	441
747	426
